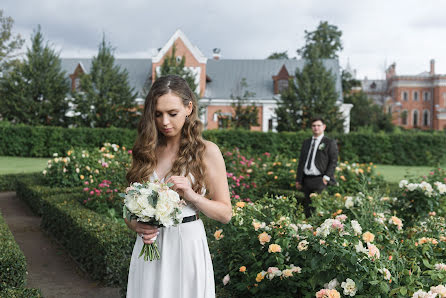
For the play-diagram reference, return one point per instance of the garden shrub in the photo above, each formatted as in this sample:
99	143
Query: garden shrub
100	245
8	181
398	148
31	190
20	293
12	261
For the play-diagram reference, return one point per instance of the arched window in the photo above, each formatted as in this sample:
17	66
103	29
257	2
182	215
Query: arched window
404	115
405	96
415	118
426	118
415	95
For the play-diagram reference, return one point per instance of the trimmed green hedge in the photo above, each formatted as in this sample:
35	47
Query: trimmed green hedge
43	141
12	261
100	245
31	190
401	148
20	293
8	182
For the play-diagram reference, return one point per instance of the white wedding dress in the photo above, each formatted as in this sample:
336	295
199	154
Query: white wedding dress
185	268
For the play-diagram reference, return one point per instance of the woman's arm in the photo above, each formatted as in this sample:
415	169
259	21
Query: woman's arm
219	206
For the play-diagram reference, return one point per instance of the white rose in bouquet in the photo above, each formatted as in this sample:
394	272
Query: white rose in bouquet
153	203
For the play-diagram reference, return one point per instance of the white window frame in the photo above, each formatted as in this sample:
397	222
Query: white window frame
426	96
415	119
415	95
407	117
426	112
405	96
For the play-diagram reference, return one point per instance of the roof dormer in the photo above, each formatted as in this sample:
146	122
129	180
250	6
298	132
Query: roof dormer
281	80
75	77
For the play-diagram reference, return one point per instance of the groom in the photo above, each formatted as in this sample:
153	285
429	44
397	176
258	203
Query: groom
317	163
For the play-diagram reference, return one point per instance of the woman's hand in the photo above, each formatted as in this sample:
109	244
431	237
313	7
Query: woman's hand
145	231
183	187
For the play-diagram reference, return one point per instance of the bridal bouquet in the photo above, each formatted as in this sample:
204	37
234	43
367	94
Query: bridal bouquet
153	203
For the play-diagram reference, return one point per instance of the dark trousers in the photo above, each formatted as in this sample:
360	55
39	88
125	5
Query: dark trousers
311	184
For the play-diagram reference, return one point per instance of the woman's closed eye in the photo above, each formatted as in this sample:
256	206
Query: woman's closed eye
157	115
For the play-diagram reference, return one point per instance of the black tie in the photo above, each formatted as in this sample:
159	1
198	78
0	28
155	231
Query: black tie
311	154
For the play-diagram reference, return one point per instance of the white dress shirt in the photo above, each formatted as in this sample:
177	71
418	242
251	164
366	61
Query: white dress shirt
313	171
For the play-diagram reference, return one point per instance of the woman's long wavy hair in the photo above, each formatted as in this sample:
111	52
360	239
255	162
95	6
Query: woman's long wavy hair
191	151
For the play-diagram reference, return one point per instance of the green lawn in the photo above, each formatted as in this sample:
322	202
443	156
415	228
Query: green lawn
12	165
397	173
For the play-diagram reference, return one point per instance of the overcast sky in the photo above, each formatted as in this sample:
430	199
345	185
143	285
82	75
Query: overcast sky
375	33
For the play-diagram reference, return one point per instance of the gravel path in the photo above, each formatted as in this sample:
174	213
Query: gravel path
50	268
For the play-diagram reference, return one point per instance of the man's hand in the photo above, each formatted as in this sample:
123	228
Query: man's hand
298	185
324	181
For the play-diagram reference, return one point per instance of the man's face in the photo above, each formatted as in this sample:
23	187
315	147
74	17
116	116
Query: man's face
318	128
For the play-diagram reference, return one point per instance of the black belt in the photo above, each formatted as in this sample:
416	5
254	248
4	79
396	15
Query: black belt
185	220
190	218
313	176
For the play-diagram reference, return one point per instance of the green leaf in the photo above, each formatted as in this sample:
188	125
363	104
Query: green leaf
403	291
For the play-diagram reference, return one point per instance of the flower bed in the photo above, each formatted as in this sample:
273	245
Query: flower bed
359	242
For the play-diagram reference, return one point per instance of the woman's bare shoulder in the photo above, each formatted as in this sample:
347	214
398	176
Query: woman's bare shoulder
211	150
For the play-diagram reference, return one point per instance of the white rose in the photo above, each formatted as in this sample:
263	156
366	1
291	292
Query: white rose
349	287
142	201
131	204
403	183
356	227
349	203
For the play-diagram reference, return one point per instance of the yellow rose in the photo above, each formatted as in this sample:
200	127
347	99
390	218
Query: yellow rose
256	225
218	234
274	248
260	276
240	204
264	237
287	273
338	195
242	269
82	177
368	237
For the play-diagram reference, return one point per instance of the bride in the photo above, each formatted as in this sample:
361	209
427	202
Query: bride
170	148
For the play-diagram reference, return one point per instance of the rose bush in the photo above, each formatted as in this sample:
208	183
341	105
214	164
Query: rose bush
107	163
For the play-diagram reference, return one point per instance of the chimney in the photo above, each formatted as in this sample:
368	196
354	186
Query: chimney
432	72
216	54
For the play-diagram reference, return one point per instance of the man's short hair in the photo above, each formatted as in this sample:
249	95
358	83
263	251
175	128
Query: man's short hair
317	118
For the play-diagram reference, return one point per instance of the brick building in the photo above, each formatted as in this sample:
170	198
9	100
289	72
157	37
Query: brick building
218	80
415	101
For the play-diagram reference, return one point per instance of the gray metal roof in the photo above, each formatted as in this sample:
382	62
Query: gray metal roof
139	70
226	75
373	85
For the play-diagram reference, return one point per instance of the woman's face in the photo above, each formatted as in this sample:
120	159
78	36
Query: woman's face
170	114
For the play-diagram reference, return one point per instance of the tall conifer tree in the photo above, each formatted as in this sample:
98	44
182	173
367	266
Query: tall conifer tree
313	91
34	91
104	97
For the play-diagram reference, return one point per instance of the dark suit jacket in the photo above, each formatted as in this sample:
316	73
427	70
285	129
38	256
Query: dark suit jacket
325	160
